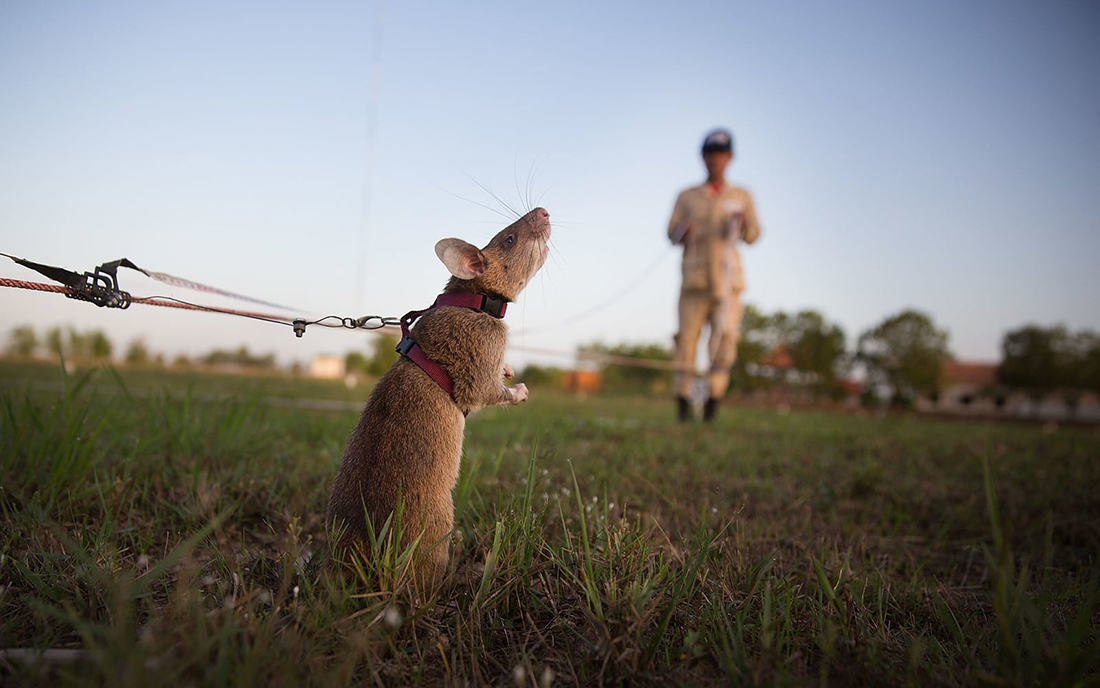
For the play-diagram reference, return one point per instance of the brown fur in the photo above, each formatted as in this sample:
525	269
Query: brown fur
408	443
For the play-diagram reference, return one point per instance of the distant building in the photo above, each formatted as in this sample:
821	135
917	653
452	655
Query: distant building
1083	407
327	367
783	381
967	387
582	381
853	390
780	358
972	388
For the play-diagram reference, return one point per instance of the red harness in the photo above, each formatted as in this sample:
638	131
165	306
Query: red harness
407	347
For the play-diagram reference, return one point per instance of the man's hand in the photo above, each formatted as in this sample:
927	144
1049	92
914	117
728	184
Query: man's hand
681	233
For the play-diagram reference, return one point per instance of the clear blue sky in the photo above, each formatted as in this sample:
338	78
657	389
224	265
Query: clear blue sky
937	155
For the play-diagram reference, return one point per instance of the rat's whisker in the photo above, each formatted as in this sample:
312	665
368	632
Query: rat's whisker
497	198
480	205
515	180
530	180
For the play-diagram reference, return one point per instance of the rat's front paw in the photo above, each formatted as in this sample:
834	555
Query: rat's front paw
508	372
519	393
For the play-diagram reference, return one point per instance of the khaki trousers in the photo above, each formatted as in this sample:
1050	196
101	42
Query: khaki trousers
724	316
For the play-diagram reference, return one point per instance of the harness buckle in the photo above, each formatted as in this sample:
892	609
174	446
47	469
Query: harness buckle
494	305
405	346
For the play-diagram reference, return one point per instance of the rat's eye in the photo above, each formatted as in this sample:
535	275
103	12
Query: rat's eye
509	240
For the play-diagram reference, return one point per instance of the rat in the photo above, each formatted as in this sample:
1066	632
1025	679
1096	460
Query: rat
407	445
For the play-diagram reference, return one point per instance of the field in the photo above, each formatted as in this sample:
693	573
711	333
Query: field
165	529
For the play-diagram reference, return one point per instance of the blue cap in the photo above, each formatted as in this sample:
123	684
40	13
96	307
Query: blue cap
718	140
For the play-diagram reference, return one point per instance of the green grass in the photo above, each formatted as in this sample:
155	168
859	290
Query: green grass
174	540
15	375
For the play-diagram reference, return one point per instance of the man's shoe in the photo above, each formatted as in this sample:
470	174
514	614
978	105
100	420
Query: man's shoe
683	409
709	409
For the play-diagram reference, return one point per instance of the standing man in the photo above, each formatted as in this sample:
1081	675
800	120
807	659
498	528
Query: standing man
709	220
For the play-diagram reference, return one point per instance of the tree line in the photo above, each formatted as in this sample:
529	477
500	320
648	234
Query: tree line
898	360
94	346
382	356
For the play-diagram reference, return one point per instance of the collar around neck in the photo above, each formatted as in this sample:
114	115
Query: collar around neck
493	304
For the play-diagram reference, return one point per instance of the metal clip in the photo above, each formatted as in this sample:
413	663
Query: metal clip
101	288
299	327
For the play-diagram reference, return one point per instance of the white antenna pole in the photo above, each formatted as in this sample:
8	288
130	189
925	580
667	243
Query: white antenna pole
368	156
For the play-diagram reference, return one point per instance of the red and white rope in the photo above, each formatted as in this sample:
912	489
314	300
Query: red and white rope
58	289
35	286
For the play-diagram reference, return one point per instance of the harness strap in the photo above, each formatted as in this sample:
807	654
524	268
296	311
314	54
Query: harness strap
407	347
493	305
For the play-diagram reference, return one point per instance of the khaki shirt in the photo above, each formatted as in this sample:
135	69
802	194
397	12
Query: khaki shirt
718	220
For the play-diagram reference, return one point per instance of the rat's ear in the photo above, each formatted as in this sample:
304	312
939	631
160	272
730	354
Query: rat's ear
462	259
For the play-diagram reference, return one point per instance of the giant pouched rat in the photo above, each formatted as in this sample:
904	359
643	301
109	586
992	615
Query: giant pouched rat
408	443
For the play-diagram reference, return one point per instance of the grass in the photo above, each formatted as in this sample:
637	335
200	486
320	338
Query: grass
159	537
138	381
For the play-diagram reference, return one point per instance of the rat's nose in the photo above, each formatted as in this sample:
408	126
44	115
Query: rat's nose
540	216
539	219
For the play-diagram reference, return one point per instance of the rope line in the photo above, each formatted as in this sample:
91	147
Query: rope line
629	361
171	302
364	323
630	286
108	271
34	286
196	286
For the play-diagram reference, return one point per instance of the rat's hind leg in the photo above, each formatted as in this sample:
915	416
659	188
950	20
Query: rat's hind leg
433	554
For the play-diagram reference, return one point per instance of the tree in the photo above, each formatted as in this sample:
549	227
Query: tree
1035	359
55	341
99	346
816	347
383	354
23	341
1040	360
818	350
241	358
80	344
137	353
905	352
382	357
1088	361
751	350
355	362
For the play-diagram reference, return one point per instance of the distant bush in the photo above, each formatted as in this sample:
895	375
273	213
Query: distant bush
22	341
137	353
382	357
91	345
540	376
241	358
632	378
1040	360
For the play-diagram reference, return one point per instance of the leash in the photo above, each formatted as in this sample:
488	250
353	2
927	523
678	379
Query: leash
101	287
